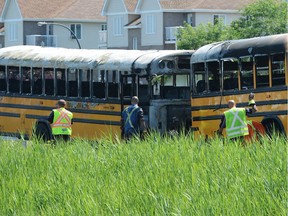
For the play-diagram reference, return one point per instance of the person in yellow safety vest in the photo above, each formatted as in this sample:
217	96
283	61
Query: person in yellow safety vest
234	119
132	121
61	121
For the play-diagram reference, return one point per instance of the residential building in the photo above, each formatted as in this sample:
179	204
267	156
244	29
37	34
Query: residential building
82	17
153	24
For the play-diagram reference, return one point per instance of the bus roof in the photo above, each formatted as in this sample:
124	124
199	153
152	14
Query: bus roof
151	60
36	56
243	47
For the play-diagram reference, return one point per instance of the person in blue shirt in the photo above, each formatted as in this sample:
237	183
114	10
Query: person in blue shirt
132	121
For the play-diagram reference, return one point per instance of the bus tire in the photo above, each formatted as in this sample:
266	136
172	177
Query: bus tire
42	131
273	125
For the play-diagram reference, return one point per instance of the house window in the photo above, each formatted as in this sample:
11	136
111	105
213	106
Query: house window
150	24
219	17
77	29
117	25
135	43
12	31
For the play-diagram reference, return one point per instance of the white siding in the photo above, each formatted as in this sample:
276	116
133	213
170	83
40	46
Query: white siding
115	7
117	40
157	37
13	25
204	18
150	5
89	39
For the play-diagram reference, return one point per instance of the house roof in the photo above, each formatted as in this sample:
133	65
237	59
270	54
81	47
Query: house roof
203	4
2	3
130	5
64	9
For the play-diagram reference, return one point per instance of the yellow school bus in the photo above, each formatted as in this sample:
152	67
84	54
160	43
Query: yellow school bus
230	70
97	85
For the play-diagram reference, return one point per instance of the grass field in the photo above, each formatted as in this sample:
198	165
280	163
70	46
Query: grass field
158	176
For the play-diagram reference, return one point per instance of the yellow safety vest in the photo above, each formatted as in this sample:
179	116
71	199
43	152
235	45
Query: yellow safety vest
62	122
236	124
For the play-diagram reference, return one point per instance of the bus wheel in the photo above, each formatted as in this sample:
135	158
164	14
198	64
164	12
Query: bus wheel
272	126
42	132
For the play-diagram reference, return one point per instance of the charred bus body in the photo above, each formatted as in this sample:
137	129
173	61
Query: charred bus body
97	85
231	70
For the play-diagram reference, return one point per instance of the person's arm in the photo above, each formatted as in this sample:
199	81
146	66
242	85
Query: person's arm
50	117
222	125
141	120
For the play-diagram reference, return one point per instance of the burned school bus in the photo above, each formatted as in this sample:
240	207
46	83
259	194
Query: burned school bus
231	70
97	85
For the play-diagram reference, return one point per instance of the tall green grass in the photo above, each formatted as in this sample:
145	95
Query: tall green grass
157	176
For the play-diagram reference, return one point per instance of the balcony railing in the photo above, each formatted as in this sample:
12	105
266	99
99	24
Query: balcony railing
171	34
42	40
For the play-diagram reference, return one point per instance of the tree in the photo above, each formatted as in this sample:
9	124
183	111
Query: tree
263	17
193	38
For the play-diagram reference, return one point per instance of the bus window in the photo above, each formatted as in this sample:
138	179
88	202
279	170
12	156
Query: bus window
61	82
230	72
49	81
113	80
72	82
182	85
247	73
26	80
199	85
99	83
37	77
127	86
262	71
213	76
3	84
14	78
184	63
278	72
166	84
143	89
85	82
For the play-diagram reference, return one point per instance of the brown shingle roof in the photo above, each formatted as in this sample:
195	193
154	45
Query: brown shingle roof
204	4
64	9
130	5
2	2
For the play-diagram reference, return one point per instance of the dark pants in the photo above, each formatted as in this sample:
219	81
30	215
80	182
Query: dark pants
62	137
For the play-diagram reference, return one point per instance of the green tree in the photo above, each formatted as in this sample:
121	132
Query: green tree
263	17
193	38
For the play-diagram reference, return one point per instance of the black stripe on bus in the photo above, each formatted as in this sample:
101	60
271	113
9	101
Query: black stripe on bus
86	111
258	114
239	92
89	121
16	115
258	103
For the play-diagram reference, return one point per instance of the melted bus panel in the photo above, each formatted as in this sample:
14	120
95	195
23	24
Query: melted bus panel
257	65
